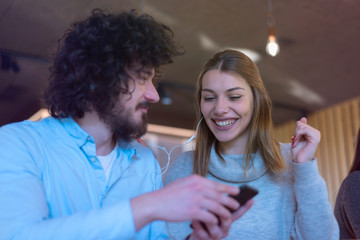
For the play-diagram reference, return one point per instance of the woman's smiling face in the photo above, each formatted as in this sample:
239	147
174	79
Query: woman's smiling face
227	105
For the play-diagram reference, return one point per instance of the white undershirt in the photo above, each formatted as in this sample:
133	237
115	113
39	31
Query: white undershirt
107	162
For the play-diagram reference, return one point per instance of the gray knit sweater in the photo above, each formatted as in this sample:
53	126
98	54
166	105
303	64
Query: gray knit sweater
347	207
290	205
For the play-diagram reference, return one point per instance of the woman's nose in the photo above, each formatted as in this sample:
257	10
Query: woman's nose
221	106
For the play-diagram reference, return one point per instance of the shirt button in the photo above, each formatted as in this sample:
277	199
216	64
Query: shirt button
93	159
88	138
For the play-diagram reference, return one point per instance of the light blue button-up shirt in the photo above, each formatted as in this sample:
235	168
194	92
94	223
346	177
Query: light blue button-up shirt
52	185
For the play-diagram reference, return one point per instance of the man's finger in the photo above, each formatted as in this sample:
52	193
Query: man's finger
243	209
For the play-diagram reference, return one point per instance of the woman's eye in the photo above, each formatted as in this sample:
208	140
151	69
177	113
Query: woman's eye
207	99
234	97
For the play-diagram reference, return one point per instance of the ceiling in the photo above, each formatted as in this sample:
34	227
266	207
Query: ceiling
318	64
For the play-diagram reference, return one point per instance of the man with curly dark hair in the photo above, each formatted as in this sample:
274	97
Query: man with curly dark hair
80	174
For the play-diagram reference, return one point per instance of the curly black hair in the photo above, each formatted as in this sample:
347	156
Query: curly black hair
89	66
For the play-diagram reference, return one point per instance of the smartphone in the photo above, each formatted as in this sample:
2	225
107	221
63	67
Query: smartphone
245	194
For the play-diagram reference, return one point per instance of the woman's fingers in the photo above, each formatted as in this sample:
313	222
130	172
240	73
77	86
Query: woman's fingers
304	141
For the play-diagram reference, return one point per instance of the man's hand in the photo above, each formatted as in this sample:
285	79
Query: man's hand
216	231
190	198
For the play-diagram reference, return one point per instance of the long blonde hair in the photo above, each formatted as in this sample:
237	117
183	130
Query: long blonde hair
260	128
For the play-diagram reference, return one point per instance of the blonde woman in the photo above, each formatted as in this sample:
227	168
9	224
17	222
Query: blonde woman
235	145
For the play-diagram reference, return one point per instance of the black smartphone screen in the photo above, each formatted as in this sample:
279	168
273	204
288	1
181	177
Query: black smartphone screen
245	194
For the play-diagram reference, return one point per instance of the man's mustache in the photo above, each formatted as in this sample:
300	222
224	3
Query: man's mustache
143	105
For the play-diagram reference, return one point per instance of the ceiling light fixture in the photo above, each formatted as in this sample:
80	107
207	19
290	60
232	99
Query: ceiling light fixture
272	47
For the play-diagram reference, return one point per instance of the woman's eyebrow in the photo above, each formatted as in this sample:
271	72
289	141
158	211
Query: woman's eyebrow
207	90
229	90
235	88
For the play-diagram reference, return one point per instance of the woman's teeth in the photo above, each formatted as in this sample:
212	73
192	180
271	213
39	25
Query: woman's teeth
224	123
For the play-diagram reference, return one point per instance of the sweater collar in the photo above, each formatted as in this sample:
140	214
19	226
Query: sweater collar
233	169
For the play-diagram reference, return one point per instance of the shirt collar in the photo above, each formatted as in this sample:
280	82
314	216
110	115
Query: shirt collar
128	149
76	132
82	138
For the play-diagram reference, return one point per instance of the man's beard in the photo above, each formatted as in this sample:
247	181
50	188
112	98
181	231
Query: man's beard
123	126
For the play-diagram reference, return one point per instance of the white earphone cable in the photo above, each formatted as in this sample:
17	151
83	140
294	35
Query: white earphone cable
165	168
